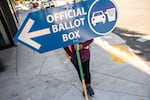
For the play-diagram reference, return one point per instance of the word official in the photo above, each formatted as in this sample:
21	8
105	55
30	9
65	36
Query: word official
67	15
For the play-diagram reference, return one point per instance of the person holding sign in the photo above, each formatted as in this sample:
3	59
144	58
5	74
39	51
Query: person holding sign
85	62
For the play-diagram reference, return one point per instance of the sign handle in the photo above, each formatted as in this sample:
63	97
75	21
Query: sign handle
81	72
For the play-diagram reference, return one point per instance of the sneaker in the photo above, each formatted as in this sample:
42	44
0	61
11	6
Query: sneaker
90	92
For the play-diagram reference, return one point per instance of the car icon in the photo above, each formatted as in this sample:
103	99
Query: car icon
98	17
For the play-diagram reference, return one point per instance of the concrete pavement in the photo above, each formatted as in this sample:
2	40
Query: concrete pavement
51	76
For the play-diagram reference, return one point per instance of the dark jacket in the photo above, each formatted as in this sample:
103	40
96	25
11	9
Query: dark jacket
84	52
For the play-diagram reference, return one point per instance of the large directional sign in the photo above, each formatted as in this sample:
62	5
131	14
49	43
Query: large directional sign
58	27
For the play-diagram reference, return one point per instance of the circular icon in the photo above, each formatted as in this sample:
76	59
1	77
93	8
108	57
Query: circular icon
102	16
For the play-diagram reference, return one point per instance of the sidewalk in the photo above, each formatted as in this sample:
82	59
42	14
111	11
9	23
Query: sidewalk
51	76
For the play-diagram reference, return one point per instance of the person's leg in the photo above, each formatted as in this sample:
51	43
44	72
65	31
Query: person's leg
86	70
87	74
77	69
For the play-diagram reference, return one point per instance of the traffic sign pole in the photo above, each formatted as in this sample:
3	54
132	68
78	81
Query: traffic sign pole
81	72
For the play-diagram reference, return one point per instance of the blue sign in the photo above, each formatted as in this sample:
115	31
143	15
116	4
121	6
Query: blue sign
58	27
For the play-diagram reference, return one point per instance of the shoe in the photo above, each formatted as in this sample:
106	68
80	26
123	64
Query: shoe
90	92
83	94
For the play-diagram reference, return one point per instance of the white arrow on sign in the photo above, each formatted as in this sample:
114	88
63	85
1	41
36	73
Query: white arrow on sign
26	36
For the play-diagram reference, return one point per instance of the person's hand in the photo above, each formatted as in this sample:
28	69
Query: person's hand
78	46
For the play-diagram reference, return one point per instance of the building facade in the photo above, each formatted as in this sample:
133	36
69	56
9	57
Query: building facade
8	26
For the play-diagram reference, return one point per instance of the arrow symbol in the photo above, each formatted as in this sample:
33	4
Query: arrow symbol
26	36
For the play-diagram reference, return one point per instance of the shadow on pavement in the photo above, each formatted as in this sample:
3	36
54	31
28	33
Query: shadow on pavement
141	49
1	66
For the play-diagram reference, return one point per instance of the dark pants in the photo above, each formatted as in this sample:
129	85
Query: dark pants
86	71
